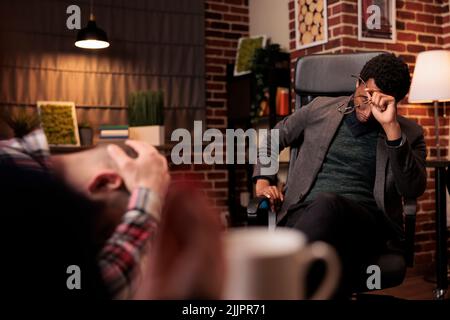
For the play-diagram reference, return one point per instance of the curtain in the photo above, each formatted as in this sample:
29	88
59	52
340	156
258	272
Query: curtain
157	44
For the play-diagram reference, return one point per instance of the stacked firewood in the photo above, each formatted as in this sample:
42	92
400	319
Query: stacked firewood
311	21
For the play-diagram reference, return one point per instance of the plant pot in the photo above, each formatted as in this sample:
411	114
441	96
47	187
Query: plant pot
86	136
153	135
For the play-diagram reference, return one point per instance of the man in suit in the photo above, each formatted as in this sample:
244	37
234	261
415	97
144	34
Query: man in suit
357	161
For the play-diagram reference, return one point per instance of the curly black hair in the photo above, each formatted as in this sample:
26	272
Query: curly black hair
391	75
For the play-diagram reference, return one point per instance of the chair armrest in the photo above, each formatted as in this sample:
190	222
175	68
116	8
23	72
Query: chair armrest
256	204
410	209
258	211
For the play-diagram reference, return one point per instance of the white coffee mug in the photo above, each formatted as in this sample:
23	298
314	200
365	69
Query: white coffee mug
273	265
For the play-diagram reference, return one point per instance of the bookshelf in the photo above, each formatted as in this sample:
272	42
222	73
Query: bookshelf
241	92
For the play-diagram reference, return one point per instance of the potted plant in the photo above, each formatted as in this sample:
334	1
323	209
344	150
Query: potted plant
264	60
21	122
146	117
86	134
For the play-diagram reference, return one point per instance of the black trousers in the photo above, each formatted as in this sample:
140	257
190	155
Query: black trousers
356	233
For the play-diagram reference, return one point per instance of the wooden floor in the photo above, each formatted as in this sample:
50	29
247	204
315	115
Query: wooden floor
415	287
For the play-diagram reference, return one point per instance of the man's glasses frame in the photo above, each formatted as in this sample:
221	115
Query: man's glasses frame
346	109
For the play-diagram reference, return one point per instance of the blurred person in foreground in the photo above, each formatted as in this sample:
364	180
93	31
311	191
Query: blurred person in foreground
128	193
187	261
48	228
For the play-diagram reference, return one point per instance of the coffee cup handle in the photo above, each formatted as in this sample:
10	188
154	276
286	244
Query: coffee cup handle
320	251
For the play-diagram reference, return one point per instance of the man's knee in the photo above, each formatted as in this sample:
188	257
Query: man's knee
320	220
327	199
324	209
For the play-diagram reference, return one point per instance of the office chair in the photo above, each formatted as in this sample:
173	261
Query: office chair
329	75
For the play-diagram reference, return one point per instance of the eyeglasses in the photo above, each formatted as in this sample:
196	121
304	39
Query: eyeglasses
365	101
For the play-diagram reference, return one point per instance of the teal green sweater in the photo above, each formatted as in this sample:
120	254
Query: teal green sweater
349	167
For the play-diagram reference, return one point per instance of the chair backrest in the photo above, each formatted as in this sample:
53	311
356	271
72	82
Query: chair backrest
326	75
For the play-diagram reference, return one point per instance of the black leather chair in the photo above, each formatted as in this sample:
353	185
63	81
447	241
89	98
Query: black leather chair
329	75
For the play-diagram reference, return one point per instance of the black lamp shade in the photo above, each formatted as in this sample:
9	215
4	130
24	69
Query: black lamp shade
92	37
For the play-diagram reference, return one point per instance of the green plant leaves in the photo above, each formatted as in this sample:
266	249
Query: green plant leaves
21	122
146	108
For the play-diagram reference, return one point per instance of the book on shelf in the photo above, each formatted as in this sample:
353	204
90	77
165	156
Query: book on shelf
114	127
113	137
113	132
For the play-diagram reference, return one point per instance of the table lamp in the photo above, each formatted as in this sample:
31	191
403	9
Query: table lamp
431	83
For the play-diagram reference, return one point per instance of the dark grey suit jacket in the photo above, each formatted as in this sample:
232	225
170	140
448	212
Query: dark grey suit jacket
400	171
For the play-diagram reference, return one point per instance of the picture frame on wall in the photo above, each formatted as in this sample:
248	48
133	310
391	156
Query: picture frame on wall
59	122
377	21
311	23
247	47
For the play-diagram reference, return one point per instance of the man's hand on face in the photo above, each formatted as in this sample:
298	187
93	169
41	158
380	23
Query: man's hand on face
384	110
148	170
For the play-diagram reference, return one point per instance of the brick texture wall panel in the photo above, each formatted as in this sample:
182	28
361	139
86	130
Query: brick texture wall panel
225	22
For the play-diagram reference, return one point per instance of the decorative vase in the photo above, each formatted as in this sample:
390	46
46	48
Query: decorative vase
86	136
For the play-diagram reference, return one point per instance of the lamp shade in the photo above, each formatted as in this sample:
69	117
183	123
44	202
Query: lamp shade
92	37
431	79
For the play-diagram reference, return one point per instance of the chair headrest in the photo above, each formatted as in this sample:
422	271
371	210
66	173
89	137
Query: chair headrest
329	74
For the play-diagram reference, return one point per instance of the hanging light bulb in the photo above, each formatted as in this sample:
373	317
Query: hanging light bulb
92	37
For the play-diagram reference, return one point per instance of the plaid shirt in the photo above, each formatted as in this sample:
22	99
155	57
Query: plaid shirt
31	151
121	255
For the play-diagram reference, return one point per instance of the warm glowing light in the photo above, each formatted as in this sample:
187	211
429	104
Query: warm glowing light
431	80
92	44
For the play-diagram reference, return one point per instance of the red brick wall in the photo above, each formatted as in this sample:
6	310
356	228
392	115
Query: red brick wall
225	22
421	25
446	24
